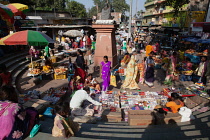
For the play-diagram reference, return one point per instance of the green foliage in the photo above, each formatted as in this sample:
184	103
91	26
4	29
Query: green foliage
138	14
76	9
100	4
177	5
59	5
92	12
117	5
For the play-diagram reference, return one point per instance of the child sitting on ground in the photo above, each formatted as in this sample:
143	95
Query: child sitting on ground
63	125
92	83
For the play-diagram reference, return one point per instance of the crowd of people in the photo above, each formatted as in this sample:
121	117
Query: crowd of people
87	41
83	86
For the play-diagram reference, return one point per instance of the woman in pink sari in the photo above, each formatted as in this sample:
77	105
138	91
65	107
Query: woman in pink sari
12	120
105	73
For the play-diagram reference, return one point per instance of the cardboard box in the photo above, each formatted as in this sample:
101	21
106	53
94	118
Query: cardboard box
139	112
140	119
111	116
169	118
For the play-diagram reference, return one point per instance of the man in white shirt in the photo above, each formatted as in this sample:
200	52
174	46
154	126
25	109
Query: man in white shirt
78	98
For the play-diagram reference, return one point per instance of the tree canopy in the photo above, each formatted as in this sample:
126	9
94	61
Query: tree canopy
117	6
92	12
76	9
176	4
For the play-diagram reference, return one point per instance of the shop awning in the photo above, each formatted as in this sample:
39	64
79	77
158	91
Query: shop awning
200	24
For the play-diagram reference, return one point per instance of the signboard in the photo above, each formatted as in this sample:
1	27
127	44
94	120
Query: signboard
63	22
27	23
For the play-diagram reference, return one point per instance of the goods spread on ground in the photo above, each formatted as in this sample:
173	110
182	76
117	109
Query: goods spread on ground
54	94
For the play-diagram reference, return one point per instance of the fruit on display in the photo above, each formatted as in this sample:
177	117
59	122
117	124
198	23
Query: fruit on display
189	72
35	71
47	69
190	51
60	70
158	61
35	64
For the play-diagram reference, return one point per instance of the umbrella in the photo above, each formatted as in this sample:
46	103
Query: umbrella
18	9
27	37
73	33
6	12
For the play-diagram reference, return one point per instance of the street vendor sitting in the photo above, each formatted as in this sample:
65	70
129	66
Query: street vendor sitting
186	70
175	104
187	64
92	83
33	52
76	84
77	100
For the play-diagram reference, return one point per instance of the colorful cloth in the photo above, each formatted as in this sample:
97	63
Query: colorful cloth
141	67
131	75
80	72
93	45
47	51
171	68
105	72
174	107
124	47
149	73
125	60
149	48
8	112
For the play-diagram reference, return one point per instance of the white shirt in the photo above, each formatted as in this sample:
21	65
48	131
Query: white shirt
92	37
79	97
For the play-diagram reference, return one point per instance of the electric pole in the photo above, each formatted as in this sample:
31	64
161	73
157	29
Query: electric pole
130	19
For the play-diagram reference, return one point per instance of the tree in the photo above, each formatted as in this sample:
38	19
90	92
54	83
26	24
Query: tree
92	12
76	9
59	5
177	5
119	5
100	4
139	14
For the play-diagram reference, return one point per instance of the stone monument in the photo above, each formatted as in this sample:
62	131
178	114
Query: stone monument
105	41
106	12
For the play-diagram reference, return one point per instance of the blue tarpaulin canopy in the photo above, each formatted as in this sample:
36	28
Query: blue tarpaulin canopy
196	40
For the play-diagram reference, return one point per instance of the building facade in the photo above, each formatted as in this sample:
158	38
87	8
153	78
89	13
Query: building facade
159	14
